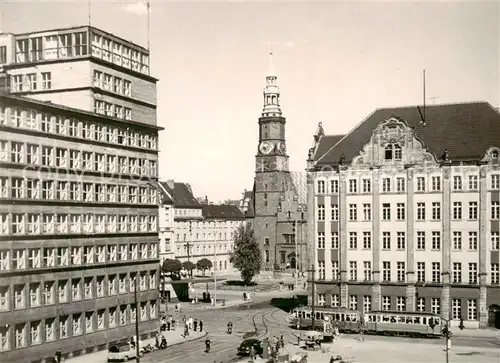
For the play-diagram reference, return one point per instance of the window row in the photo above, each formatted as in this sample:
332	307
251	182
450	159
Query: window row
31	82
420	245
400	276
398	184
59	157
60	125
51	223
113	110
119	54
33	333
47	257
30	188
46	293
112	83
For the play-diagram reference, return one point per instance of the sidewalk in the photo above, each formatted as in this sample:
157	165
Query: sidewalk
476	333
174	337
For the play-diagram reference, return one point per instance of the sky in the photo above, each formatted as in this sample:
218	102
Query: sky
336	62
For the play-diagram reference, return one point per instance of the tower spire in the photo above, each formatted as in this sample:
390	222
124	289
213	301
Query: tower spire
271	91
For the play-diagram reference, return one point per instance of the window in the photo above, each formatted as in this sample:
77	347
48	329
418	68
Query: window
367	212
48	293
456	312
353	240
16	152
386	185
353	186
335	301
495	210
420	271
436	211
353	270
367	186
367	240
401	303
335	240
386	212
321	270
436	305
436	272
386	303
18	224
495	181
20	335
335	212
393	152
421	304
32	154
367	270
401	241
367	303
472	182
473	210
457	182
457	241
457	272
436	240
472	273
495	241
436	183
386	240
495	273
34	294
321	212
46	80
321	240
34	258
353	212
473	241
421	240
401	271
31	82
420	184
386	271
400	185
353	302
334	186
400	211
420	211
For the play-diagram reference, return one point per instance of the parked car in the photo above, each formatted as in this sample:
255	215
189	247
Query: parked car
122	352
244	348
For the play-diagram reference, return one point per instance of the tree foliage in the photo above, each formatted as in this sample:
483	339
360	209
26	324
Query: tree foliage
188	266
246	256
171	266
204	264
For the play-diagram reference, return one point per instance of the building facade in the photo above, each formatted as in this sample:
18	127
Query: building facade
279	196
79	210
405	213
166	221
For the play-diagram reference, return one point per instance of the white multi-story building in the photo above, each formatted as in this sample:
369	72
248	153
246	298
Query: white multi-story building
166	220
406	213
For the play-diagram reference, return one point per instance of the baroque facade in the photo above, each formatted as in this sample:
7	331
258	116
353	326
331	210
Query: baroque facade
405	213
79	210
279	195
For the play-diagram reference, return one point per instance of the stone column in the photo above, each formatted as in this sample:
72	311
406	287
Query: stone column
410	242
483	246
376	289
445	243
311	224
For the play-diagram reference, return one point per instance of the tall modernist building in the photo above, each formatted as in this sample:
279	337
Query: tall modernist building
405	212
279	196
79	213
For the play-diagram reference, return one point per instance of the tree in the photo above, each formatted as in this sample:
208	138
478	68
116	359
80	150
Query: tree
204	264
246	256
172	267
189	266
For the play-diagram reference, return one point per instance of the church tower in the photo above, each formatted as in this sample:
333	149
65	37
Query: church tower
271	171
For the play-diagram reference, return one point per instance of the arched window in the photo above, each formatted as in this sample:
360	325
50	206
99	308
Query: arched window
494	154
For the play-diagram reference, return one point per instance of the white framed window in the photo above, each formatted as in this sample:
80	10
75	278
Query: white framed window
20	335
401	303
457	210
472	241
386	271
421	240
401	240
386	240
353	302
5	338
436	211
63	327
48	293
335	301
420	184
386	212
457	272
436	240
420	211
335	212
495	210
421	304
386	185
473	210
436	305
386	303
420	271
495	181
457	182
321	211
436	272
335	270
495	273
353	240
367	270
367	240
473	273
353	212
353	271
334	186
62	291
436	183
34	293
495	241
321	299
19	297
456	309
77	324
401	271
353	186
321	270
457	240
472	182
4	298
18	224
367	186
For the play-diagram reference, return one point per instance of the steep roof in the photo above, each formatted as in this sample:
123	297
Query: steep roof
299	180
166	192
222	211
183	196
466	130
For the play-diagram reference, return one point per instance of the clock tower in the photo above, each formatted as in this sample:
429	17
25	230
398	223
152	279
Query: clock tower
272	177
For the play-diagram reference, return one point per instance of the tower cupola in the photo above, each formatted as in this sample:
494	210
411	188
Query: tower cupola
271	92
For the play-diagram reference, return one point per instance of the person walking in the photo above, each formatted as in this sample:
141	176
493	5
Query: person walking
201	326
229	327
195	325
58	356
252	353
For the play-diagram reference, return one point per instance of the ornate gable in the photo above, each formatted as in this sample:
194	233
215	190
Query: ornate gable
393	142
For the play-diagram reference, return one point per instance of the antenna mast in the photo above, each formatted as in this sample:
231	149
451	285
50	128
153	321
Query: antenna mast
424	96
90	16
148	5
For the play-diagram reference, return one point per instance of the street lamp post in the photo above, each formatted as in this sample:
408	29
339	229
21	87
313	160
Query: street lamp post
215	273
137	350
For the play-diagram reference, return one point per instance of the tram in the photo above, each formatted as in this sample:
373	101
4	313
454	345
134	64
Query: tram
400	323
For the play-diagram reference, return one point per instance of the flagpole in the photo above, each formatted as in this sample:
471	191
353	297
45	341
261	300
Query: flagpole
89	13
148	5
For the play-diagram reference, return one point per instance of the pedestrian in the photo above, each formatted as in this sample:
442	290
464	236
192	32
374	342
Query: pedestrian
282	340
201	326
186	330
195	324
252	353
229	327
58	356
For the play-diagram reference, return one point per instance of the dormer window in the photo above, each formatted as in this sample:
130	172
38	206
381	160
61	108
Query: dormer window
393	152
494	154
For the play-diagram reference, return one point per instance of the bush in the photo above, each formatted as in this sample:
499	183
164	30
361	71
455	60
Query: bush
239	283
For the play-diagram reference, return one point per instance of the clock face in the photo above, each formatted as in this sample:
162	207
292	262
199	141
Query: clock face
265	147
282	147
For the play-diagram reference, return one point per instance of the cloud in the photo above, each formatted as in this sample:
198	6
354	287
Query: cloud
137	8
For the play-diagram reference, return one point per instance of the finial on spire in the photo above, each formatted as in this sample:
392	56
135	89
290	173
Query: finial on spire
271	69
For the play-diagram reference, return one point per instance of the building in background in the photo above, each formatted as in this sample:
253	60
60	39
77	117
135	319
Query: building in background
79	209
166	220
246	205
279	196
405	212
